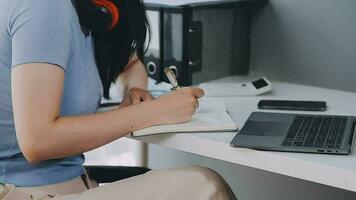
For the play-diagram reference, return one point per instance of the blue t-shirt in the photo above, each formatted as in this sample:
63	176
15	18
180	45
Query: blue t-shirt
44	31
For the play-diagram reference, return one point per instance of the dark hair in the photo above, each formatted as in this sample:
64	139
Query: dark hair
114	48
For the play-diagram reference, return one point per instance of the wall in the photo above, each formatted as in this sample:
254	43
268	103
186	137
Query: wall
304	41
312	42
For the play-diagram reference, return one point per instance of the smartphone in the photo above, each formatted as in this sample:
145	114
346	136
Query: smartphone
292	105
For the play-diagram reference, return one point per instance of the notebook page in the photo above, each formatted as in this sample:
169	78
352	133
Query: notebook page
219	121
209	106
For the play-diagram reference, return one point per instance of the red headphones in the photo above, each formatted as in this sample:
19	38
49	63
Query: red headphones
110	8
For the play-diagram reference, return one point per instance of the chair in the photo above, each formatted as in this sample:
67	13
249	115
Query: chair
108	174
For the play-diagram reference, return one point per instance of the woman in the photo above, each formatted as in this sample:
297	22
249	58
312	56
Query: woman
52	78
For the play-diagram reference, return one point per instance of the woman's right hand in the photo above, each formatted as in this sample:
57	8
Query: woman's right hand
178	106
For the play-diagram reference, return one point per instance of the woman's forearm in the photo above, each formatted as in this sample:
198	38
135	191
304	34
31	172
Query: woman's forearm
134	76
43	134
69	136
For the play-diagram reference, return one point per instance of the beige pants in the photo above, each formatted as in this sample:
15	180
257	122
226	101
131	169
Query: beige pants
196	183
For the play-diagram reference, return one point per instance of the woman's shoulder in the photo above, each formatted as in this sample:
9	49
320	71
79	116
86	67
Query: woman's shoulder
48	29
41	14
46	9
50	7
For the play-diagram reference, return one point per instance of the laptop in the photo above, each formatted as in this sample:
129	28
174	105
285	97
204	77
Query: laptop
325	134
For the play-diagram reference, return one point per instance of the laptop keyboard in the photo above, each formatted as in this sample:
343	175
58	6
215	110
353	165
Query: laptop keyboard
316	131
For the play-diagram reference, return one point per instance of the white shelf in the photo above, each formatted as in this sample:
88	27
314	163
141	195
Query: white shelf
187	2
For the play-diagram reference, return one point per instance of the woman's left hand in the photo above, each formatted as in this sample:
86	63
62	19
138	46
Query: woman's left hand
135	96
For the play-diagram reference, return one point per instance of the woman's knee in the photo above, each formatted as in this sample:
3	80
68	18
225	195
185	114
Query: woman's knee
213	180
208	173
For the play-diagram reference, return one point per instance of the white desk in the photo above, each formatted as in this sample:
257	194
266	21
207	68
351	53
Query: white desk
332	170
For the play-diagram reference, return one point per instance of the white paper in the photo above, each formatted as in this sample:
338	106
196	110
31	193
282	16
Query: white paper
222	89
209	106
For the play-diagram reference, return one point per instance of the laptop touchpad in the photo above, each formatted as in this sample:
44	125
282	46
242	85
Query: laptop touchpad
262	128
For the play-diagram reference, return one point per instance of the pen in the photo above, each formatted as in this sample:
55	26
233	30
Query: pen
169	71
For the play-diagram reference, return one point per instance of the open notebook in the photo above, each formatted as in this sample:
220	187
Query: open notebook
210	116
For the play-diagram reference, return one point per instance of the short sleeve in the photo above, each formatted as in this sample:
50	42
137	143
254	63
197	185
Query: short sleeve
41	32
